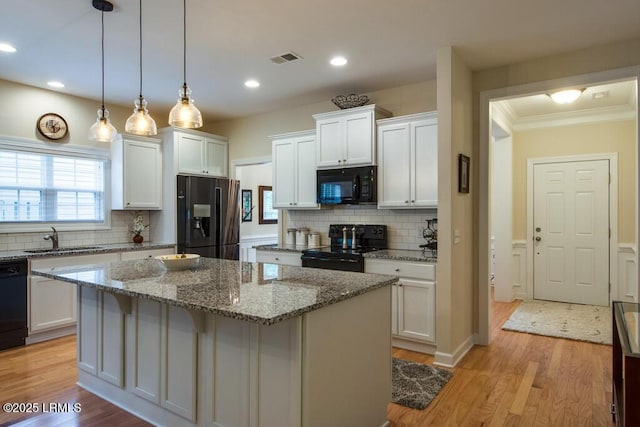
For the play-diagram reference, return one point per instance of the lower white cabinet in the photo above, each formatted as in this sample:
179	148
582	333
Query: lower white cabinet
52	304
279	257
413	310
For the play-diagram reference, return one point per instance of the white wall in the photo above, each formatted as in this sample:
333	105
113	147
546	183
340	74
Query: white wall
252	176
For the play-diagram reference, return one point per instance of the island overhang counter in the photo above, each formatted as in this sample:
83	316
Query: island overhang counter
229	343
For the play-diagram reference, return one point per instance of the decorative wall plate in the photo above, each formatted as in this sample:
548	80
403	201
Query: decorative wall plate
52	126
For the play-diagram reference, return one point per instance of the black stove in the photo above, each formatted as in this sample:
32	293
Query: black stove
345	252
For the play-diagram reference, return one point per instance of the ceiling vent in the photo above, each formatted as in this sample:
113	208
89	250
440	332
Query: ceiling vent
285	57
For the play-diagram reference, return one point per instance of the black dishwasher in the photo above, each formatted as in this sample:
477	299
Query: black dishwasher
13	303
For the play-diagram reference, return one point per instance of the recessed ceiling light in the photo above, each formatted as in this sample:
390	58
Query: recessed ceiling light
6	47
338	61
252	83
566	96
56	84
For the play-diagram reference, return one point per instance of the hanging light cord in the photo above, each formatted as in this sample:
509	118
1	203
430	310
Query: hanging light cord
140	49
102	15
184	41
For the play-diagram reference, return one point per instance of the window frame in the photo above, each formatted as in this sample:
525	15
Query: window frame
76	151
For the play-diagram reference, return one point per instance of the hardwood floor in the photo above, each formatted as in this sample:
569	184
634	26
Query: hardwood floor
519	380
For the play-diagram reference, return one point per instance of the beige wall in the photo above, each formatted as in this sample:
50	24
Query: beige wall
249	136
251	177
593	138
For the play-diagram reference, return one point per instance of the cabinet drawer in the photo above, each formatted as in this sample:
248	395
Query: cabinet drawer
126	256
416	270
278	257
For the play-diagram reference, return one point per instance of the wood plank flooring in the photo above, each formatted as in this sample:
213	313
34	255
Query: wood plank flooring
519	380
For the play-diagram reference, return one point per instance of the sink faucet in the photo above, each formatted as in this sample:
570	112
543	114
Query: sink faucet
53	237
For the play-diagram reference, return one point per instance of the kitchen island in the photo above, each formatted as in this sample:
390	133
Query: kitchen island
227	343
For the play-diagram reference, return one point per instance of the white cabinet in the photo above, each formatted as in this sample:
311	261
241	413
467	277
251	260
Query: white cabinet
408	161
294	170
347	138
197	153
279	257
52	303
413	317
136	173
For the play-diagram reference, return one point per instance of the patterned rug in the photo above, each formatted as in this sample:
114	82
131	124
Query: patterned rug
557	319
415	385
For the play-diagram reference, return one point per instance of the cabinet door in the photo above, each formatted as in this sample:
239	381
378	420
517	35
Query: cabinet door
52	304
416	310
142	175
283	155
216	158
329	149
306	187
394	309
394	175
359	139
190	154
424	138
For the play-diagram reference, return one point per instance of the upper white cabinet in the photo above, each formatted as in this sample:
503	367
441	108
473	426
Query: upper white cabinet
408	161
347	138
136	173
198	153
294	170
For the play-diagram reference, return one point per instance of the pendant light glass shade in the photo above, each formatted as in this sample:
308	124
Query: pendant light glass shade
185	114
140	122
102	130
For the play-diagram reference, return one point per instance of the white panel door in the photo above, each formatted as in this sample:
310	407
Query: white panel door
358	139
330	146
424	136
283	156
306	187
216	157
142	175
394	183
416	309
190	154
571	232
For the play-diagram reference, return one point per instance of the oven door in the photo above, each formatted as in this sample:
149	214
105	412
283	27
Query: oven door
333	263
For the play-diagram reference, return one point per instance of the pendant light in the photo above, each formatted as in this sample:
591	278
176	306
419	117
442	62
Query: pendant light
140	122
184	114
102	130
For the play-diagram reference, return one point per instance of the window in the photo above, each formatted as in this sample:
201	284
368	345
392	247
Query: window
38	187
268	215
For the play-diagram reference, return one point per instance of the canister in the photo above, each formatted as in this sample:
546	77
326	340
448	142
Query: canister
314	239
291	237
301	237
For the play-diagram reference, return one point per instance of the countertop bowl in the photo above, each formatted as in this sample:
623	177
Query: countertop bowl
176	262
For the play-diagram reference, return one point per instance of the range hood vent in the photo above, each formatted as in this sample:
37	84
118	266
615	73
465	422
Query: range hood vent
285	57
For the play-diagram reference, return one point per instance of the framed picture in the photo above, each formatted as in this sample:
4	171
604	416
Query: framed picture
268	215
463	173
247	208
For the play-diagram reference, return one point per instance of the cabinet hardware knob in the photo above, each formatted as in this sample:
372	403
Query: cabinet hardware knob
400	284
406	201
128	203
277	259
344	160
339	161
538	238
397	269
413	201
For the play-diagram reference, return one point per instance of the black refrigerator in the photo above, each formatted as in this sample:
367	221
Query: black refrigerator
208	216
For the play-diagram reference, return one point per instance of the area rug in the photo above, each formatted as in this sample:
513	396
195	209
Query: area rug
556	319
415	385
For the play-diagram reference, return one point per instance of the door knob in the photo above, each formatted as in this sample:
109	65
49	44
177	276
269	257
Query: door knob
538	238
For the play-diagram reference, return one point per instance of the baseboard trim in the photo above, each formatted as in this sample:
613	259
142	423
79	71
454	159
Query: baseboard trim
448	360
406	344
49	335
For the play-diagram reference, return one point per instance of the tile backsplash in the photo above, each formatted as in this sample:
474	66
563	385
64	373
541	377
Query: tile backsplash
121	224
404	227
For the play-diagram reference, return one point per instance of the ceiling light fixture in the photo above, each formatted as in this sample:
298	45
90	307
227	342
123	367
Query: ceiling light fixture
102	130
184	114
140	122
566	96
56	84
338	61
252	84
6	47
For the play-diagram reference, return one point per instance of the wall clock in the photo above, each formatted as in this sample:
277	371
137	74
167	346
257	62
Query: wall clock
52	126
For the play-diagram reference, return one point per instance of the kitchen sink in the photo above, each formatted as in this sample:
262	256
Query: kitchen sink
67	249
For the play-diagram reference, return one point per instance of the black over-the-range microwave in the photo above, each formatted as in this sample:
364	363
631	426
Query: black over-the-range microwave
348	186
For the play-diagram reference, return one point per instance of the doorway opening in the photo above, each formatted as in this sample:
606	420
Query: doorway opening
517	126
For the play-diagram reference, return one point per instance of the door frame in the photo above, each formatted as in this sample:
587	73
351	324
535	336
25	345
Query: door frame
613	213
483	260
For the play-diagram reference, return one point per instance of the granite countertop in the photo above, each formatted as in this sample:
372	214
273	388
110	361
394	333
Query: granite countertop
84	250
255	292
403	255
284	248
